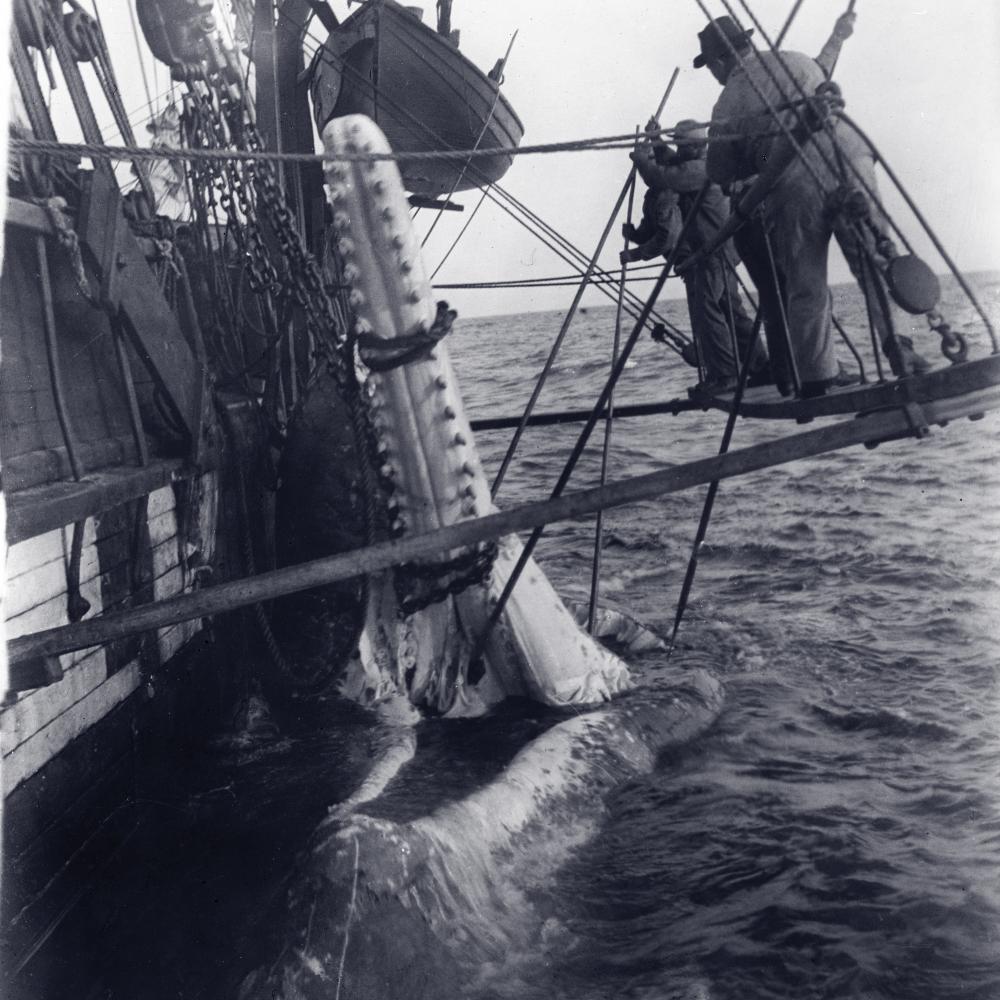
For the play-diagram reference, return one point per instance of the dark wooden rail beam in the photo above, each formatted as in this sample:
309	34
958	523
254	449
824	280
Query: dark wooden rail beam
869	430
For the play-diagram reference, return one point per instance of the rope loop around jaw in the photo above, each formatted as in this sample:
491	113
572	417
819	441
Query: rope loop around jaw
382	355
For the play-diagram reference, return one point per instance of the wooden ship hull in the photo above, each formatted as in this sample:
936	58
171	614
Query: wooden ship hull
423	93
123	487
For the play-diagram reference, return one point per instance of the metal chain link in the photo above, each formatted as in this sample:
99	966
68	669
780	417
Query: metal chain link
454	576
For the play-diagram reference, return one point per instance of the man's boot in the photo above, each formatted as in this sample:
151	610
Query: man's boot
903	359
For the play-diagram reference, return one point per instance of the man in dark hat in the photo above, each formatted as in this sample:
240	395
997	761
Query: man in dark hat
720	324
799	211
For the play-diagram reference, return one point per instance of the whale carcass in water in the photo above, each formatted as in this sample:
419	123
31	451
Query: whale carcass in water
417	910
427	452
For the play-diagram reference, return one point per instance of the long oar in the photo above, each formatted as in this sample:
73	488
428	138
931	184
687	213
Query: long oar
788	23
595	572
584	282
713	487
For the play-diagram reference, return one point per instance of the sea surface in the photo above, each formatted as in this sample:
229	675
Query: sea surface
835	835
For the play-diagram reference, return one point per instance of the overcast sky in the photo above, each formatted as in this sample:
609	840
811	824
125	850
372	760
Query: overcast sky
922	78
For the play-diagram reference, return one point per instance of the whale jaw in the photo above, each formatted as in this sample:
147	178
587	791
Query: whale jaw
428	453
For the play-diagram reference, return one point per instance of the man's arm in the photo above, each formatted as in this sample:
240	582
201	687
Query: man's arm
682	177
830	53
722	161
645	163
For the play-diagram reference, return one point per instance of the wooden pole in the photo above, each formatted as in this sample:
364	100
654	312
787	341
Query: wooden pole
584	282
872	428
553	417
595	569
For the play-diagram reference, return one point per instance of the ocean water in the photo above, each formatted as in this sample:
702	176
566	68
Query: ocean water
835	835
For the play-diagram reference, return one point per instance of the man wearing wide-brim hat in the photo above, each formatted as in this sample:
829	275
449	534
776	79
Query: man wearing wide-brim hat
744	137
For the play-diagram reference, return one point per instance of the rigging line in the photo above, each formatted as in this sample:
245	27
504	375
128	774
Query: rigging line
844	163
496	188
602	288
455	242
788	23
588	428
137	116
595	570
529	283
938	245
479	139
554	277
560	336
627	187
713	487
108	152
635	302
138	52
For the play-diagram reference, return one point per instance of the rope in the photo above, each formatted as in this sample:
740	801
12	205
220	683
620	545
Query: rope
588	428
788	23
581	262
568	282
595	569
74	150
457	240
713	488
479	139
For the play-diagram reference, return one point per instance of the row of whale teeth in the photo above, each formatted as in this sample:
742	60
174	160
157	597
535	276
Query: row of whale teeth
376	178
380	189
389	473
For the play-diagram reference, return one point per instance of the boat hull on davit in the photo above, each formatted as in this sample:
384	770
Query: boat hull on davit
385	63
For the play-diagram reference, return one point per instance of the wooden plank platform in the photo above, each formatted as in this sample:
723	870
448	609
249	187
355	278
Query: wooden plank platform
764	402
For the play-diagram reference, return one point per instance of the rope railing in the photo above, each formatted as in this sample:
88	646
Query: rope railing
74	150
554	282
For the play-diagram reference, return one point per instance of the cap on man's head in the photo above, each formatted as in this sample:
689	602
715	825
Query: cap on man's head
718	38
689	132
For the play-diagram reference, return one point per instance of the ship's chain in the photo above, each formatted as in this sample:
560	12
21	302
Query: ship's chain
419	585
252	194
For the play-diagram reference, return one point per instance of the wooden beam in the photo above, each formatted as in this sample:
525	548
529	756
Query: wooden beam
129	290
28	216
34	511
869	430
553	417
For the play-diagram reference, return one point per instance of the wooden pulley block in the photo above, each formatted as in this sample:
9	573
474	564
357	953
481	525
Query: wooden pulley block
914	287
